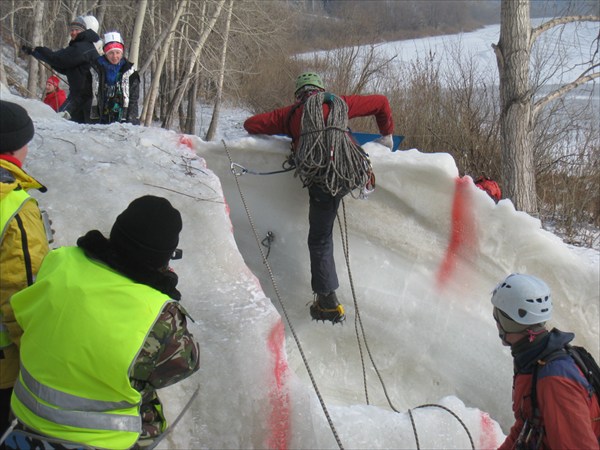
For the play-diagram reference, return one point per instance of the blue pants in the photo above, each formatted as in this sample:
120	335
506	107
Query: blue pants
321	218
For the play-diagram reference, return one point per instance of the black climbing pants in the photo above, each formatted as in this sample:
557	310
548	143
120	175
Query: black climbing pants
79	108
321	217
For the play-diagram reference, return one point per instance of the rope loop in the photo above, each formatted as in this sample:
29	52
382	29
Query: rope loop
326	155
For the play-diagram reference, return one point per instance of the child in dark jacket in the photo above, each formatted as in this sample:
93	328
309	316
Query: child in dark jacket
116	84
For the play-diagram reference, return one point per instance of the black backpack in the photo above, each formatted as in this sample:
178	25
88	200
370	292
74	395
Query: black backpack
587	364
583	359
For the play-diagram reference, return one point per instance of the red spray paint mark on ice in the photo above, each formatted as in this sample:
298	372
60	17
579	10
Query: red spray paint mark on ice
187	141
279	418
463	231
488	439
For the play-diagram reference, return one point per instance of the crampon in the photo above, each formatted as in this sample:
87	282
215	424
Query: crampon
326	307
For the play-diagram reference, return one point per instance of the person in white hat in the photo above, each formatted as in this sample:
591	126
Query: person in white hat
116	84
74	62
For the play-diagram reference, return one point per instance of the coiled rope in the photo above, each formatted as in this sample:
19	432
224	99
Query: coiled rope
285	314
326	156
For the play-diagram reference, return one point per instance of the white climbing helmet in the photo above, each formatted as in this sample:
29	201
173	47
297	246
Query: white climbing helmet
524	298
113	36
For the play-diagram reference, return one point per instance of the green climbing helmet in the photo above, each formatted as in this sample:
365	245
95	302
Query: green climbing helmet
309	79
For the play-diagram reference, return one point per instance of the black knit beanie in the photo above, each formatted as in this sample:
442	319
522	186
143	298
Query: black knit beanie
147	232
16	127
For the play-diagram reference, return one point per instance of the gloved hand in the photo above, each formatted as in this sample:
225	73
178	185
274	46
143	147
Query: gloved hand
386	141
64	115
27	49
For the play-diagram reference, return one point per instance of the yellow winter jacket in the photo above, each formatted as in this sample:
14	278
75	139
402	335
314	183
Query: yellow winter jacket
22	250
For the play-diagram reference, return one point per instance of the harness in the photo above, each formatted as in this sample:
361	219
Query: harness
113	102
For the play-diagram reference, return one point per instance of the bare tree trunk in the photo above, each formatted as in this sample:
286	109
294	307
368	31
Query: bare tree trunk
513	57
3	77
36	40
214	121
182	87
12	31
190	126
100	15
134	48
190	120
147	115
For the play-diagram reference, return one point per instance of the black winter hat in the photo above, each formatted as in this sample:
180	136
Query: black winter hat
147	232
16	127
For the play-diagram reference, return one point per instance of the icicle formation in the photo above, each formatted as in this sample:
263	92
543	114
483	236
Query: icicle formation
327	157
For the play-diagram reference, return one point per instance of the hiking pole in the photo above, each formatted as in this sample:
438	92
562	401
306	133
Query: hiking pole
53	72
44	64
159	439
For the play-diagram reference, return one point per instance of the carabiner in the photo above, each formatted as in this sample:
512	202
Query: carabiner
234	169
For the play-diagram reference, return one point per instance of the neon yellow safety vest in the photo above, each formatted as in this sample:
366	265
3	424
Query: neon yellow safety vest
9	208
84	325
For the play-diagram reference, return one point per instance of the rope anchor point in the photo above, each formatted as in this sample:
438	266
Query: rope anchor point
237	169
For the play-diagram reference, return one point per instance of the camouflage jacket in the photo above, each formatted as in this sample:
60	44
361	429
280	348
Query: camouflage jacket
170	354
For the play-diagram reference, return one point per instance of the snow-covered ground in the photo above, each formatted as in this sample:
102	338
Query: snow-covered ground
425	251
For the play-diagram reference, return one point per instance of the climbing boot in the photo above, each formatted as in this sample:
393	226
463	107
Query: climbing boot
326	307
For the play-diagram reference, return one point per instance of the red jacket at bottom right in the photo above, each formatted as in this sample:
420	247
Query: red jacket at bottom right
569	409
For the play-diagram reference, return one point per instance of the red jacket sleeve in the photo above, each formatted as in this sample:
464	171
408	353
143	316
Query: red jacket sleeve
287	120
371	105
521	387
274	122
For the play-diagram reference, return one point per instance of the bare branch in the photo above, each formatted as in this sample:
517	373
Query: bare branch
15	10
564	89
535	33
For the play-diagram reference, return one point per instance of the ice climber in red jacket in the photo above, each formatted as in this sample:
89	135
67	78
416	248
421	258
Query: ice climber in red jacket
568	414
319	119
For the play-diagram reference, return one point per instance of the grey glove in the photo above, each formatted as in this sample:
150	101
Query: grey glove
386	141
